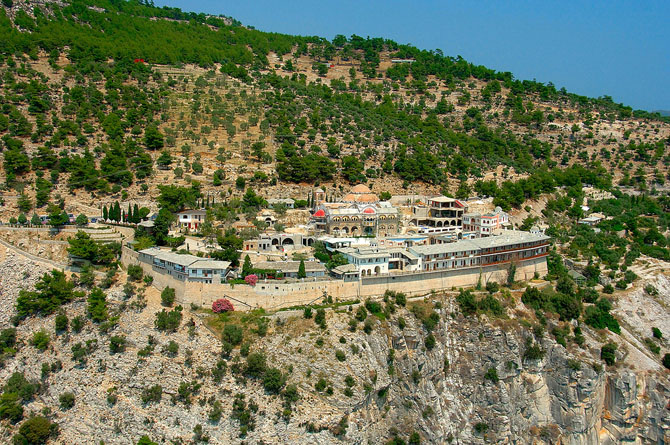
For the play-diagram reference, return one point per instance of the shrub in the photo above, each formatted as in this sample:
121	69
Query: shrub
373	306
492	375
533	351
290	394
171	349
232	334
117	344
251	279
51	291
608	289
608	353
490	305
216	412
307	312
588	294
7	339
481	427
560	335
168	321
135	272
10	407
429	318
653	347
35	430
657	333
492	287
97	305
66	401
219	370
361	313
651	290
430	342
666	360
16	390
339	354
40	340
579	337
128	290
152	394
320	318
168	296
467	303
256	365
112	398
61	322
368	326
598	316
574	364
321	384
273	380
222	305
533	298
77	324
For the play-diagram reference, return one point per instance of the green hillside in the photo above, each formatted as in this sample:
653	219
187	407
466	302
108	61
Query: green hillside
79	108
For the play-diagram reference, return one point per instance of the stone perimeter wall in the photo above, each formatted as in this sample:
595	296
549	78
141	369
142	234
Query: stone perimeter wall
277	294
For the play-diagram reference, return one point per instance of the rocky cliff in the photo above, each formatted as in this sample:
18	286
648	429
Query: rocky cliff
483	380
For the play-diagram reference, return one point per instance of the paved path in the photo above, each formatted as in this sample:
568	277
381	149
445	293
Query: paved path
44	261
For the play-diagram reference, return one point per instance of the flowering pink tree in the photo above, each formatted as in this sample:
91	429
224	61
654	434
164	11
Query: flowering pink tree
222	305
251	279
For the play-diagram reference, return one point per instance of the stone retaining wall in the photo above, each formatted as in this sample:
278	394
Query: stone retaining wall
273	294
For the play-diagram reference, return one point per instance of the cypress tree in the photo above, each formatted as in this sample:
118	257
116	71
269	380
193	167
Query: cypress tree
117	212
104	213
247	268
136	214
301	270
129	214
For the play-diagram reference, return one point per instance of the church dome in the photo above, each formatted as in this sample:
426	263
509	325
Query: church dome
361	194
361	188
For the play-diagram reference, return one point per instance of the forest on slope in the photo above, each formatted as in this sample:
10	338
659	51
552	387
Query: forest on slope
112	98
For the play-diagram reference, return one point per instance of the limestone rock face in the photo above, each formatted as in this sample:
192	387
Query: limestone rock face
565	397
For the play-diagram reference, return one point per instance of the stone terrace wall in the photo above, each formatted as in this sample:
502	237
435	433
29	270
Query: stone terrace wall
277	294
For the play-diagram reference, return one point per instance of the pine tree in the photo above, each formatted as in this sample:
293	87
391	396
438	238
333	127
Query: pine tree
104	213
